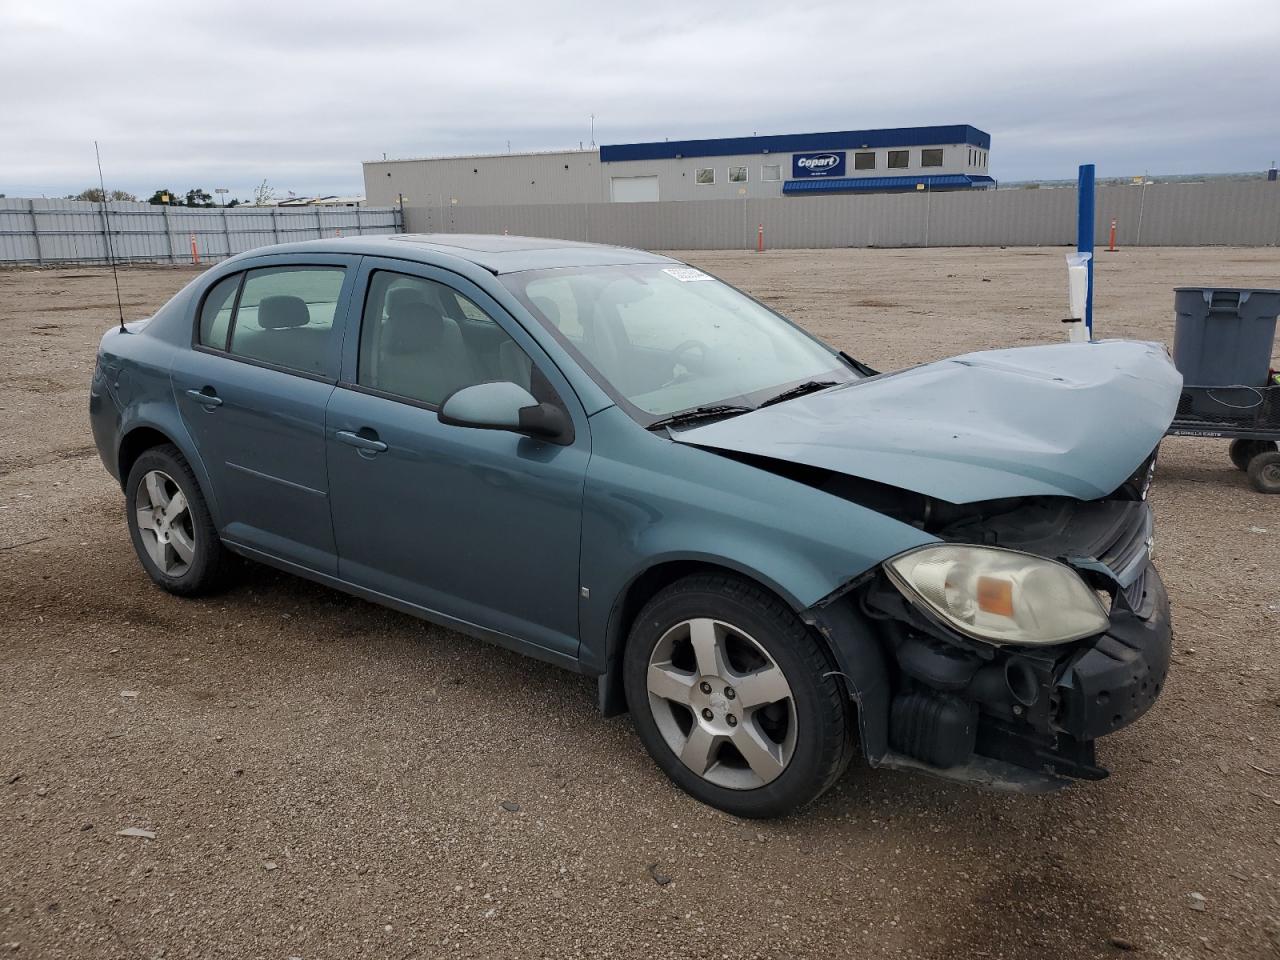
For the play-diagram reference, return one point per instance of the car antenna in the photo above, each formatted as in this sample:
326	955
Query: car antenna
106	233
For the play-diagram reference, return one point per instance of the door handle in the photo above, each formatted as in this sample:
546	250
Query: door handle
209	399
370	444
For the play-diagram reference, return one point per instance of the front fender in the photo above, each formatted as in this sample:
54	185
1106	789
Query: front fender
649	501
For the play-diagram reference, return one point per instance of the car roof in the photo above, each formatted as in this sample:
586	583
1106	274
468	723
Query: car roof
495	253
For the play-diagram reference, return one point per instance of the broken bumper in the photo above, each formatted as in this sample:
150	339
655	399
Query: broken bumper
1027	719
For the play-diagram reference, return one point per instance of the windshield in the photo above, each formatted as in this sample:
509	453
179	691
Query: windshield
666	339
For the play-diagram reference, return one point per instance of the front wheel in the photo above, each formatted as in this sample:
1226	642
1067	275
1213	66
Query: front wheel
734	698
170	525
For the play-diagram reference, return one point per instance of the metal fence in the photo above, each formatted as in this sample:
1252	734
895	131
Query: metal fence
74	231
1229	213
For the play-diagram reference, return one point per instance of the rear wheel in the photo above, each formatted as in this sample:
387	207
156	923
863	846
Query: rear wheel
734	699
1243	451
1264	472
170	525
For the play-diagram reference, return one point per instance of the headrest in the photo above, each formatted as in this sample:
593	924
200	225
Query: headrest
412	324
402	296
279	312
548	308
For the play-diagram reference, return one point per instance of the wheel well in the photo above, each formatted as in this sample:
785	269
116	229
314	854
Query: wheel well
640	592
135	444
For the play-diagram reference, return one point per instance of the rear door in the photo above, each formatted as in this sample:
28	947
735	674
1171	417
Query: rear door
481	526
253	391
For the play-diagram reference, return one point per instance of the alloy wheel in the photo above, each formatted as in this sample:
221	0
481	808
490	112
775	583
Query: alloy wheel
722	704
164	523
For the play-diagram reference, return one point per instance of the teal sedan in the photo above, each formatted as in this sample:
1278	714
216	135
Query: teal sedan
766	552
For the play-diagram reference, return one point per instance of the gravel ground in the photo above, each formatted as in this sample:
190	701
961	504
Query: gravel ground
325	778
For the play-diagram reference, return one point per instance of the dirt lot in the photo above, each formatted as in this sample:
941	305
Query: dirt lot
329	779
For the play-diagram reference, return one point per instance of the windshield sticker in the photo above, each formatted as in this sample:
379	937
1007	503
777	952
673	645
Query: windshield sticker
686	274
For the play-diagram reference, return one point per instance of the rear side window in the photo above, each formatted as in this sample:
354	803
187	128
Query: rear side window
215	315
285	317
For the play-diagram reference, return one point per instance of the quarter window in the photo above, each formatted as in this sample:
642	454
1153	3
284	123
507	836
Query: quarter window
704	175
423	340
899	159
930	158
737	174
215	314
771	171
864	160
285	317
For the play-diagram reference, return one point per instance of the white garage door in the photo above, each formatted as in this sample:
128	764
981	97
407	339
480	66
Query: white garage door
634	189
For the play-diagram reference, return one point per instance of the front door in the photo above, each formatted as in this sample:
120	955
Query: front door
253	395
481	526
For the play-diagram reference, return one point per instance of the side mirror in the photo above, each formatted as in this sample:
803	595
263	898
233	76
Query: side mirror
502	405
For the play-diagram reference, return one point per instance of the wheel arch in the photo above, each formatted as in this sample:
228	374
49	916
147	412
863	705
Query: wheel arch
141	435
849	640
133	445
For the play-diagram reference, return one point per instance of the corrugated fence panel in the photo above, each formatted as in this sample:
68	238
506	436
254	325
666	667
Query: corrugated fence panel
1233	213
39	231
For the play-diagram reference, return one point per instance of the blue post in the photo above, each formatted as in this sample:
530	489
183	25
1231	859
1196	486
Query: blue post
1084	236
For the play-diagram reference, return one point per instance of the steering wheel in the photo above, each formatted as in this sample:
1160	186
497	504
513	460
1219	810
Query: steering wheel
692	355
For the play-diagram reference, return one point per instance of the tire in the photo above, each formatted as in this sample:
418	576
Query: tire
1264	472
747	641
178	547
1243	451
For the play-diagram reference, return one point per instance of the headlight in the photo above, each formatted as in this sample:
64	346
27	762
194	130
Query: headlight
1000	596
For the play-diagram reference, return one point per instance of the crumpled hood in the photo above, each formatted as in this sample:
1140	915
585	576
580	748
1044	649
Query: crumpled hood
1071	418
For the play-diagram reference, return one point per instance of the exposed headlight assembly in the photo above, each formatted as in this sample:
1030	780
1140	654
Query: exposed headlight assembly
1000	596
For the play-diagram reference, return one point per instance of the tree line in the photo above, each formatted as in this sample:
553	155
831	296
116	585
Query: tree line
263	194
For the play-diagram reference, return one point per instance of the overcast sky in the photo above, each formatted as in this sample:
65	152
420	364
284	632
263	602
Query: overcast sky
226	94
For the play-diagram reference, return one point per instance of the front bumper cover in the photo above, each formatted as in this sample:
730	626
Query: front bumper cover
954	714
1116	680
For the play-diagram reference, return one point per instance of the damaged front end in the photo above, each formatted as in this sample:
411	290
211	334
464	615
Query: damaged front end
950	696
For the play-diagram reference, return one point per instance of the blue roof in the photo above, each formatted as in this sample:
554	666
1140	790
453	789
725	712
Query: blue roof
937	181
799	142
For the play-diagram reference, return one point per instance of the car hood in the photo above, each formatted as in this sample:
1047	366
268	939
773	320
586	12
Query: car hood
1072	419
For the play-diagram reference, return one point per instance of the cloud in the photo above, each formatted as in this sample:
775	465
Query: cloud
299	93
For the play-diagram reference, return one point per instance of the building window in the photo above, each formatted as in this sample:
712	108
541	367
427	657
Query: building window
899	159
705	175
865	160
771	171
930	158
737	174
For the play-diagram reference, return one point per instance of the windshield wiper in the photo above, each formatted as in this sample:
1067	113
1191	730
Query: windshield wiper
699	413
809	386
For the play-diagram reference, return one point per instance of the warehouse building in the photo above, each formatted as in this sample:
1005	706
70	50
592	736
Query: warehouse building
798	164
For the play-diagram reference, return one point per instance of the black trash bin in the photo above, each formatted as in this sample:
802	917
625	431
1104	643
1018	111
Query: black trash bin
1223	337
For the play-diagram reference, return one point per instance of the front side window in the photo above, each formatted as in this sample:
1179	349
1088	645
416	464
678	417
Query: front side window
899	159
704	175
771	171
930	158
737	174
664	339
422	340
864	160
